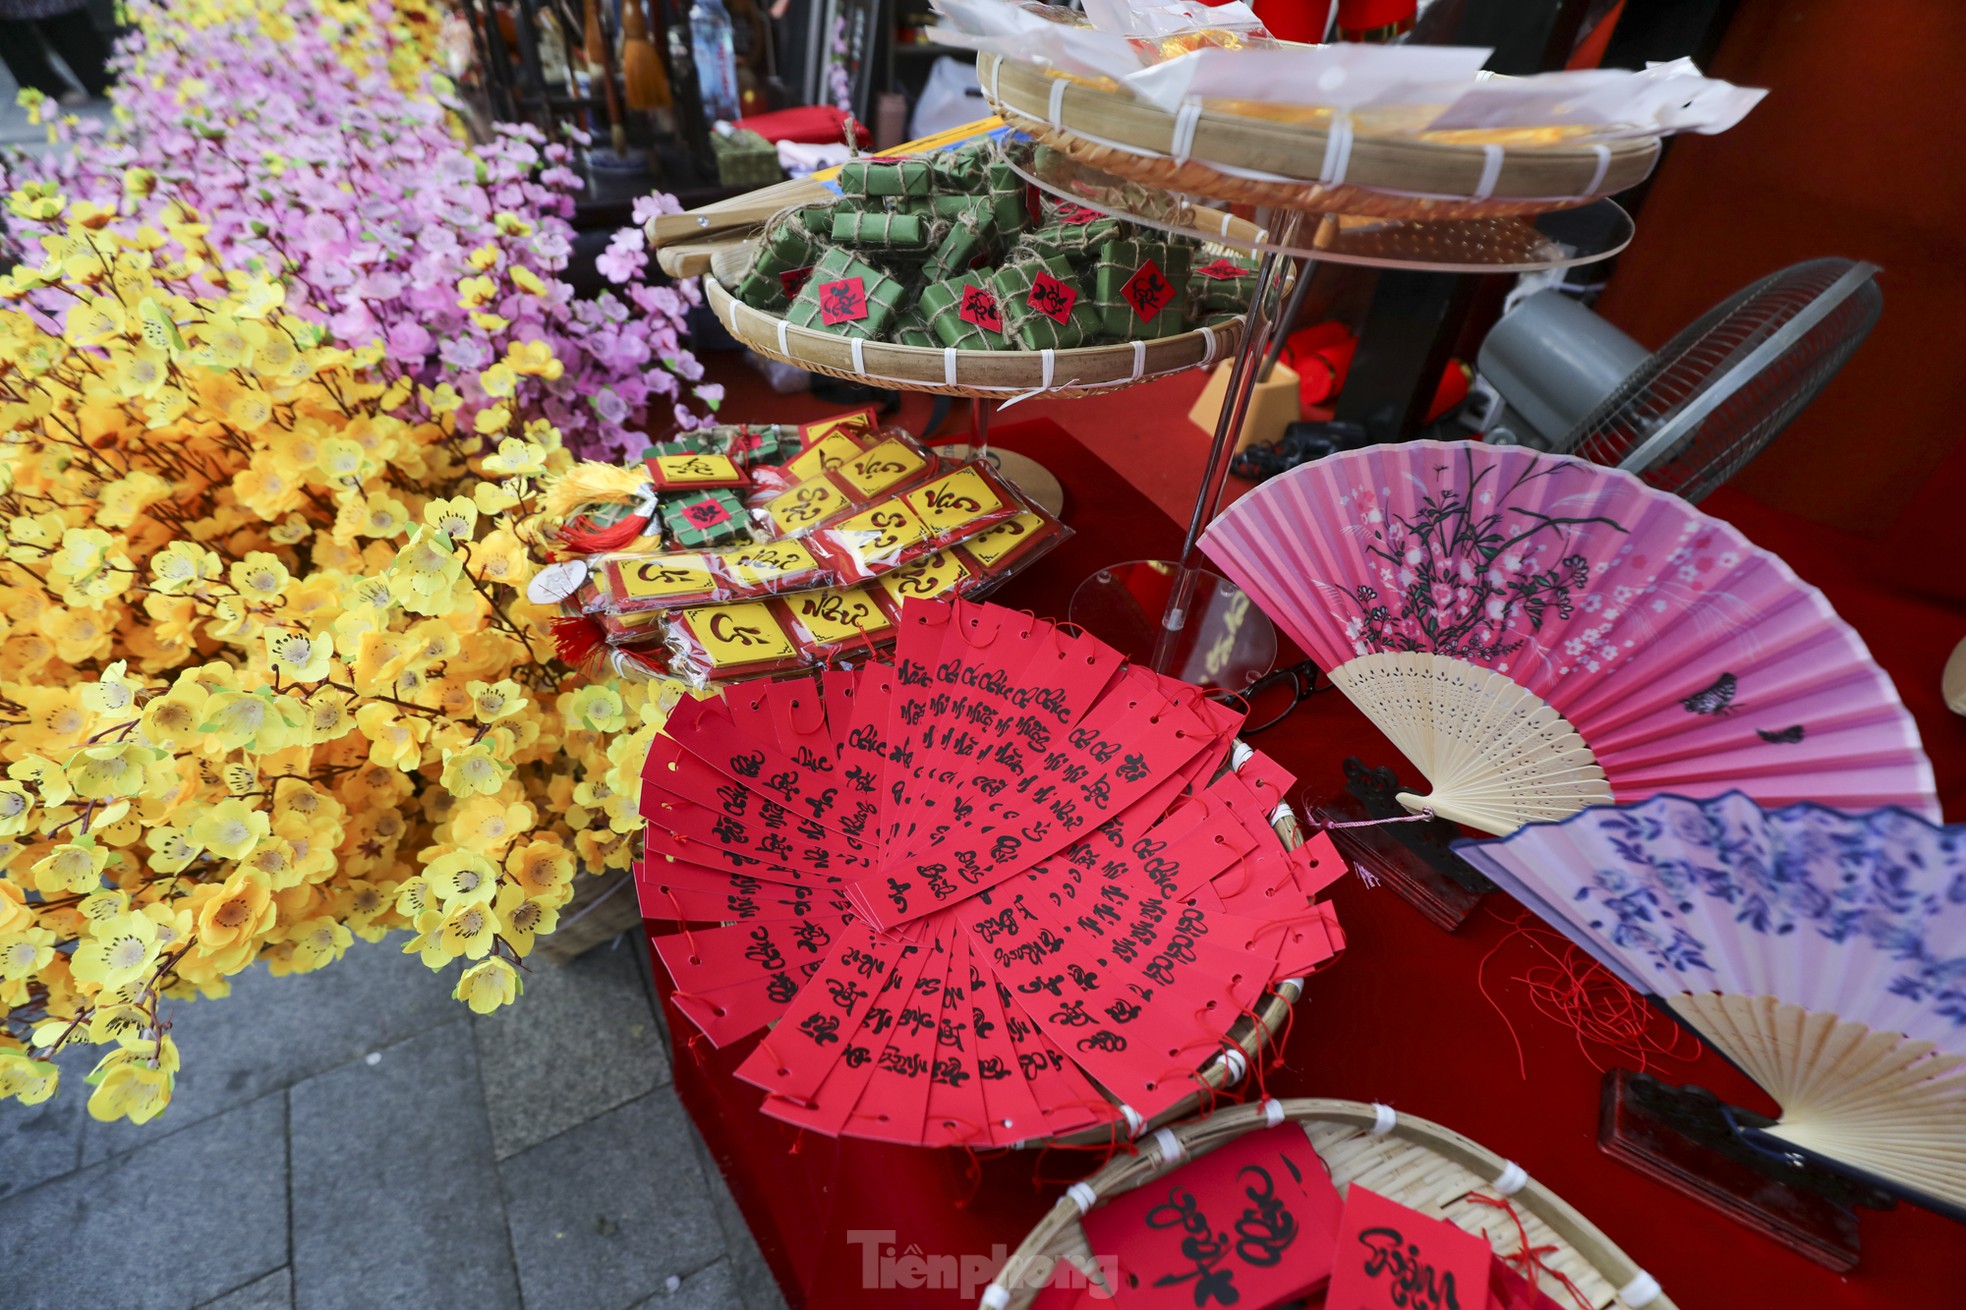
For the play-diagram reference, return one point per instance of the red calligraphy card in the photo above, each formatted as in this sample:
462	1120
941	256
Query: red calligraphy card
729	1014
702	961
831	1107
979	306
813	1035
1247	1225
1224	270
793	280
894	1104
796	709
844	301
1392	1257
1012	1111
957	1114
689	893
1148	291
1052	298
808	786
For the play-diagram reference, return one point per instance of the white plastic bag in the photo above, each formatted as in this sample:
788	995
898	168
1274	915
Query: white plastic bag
949	99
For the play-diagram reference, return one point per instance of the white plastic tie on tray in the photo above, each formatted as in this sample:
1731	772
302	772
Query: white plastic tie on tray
1139	360
1057	109
1384	1119
949	366
1082	1196
858	347
1134	1123
1207	346
995	1297
1511	1180
1281	812
1235	1062
1170	1145
1240	753
1185	120
1603	153
1491	171
1641	1291
783	348
1337	150
1273	1112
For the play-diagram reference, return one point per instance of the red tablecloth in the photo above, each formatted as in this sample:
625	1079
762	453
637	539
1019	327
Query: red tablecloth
1398	1020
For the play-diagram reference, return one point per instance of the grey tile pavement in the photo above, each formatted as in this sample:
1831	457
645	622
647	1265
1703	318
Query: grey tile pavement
581	1040
170	1224
355	1138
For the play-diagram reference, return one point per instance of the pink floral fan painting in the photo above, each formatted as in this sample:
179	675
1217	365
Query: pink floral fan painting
1538	634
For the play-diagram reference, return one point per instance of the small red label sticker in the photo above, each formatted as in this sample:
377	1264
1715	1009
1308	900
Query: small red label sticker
979	306
1052	298
794	280
844	301
706	513
1148	291
1223	270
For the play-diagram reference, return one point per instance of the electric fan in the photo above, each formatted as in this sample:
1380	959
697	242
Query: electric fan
1691	415
1823	953
1538	634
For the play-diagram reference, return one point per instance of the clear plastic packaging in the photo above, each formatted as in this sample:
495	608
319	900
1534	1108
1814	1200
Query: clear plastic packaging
836	622
739	639
629	584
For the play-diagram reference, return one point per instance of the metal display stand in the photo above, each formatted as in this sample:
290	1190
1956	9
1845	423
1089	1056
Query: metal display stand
1188	621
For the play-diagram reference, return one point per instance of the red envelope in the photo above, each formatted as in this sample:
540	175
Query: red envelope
1392	1257
1249	1225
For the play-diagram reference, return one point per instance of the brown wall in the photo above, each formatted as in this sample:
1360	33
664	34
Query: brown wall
1860	151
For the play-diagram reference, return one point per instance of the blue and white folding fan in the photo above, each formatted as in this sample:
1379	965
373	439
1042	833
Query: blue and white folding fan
1823	953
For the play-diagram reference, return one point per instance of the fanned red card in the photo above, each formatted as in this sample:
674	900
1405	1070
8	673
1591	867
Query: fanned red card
992	892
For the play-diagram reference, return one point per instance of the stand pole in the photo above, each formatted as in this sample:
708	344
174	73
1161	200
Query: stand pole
1235	406
979	428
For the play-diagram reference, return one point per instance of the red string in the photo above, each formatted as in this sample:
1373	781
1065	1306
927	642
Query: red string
1527	1259
583	538
575	637
1567	985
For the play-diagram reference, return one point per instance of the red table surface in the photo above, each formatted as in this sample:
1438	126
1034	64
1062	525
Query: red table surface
1397	1019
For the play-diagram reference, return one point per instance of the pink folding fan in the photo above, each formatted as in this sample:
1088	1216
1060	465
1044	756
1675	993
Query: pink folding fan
1538	634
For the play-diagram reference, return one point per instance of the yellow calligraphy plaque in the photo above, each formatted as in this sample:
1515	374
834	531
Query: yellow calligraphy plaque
741	633
949	502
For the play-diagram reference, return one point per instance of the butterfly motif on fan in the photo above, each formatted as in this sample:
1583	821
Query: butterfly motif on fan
1538	634
1824	953
1004	888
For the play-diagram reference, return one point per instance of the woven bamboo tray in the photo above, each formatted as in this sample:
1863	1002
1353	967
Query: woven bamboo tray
1413	1161
1226	157
1248	1036
982	374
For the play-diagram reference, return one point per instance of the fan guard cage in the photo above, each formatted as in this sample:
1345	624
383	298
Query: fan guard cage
1695	367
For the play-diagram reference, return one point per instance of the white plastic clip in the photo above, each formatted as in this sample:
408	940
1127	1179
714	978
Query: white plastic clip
1058	85
1281	812
1170	1145
1273	1112
1240	753
1082	1196
1384	1119
995	1297
1297	983
783	349
1337	150
1235	1062
1511	1180
1491	171
1641	1291
996	70
1139	359
949	366
1603	153
1207	347
1185	119
1047	361
858	346
1134	1123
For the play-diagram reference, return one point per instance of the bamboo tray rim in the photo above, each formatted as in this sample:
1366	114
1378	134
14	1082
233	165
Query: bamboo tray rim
1200	134
1060	1230
928	369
